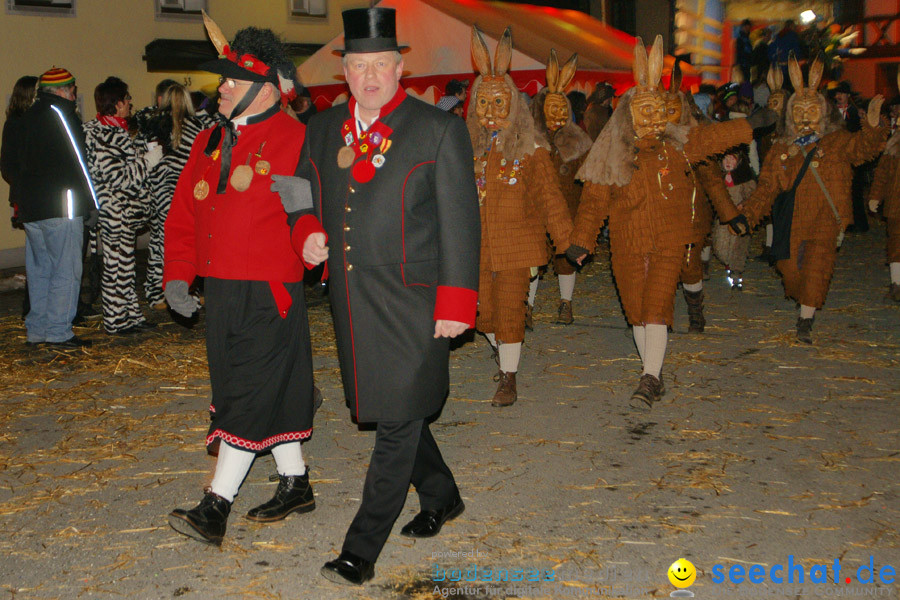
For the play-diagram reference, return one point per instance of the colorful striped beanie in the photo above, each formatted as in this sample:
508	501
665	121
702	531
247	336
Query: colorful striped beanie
57	77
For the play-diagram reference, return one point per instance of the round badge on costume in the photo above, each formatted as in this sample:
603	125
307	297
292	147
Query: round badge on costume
363	171
378	161
376	138
201	189
513	181
345	157
263	167
241	178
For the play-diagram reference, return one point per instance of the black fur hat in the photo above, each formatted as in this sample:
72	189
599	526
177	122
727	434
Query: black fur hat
256	55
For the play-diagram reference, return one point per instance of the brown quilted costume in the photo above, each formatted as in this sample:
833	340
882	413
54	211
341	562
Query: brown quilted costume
886	189
807	273
571	190
650	211
514	219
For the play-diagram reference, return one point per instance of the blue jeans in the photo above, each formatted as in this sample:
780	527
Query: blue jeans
53	268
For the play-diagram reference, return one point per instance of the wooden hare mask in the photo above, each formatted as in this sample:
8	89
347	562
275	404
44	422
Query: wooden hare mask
556	107
648	106
493	99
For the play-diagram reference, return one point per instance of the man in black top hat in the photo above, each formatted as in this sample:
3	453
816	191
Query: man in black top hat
392	188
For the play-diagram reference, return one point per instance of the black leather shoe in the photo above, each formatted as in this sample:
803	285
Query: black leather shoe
348	569
294	494
205	522
428	523
72	343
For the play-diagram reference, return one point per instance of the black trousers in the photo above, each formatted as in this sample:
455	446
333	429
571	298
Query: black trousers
405	452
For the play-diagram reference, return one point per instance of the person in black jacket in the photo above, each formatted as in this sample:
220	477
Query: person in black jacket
43	160
389	180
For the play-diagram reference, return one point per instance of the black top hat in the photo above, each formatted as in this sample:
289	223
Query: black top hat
370	30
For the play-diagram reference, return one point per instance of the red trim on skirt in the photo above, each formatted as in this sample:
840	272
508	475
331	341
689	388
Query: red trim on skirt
233	440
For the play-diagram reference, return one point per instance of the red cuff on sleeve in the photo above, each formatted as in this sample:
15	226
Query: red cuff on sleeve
303	228
456	304
178	270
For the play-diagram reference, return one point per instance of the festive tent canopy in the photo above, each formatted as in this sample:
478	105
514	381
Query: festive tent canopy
439	35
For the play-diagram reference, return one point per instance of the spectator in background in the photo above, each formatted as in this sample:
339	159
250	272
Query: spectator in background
451	104
303	105
175	128
579	103
704	99
786	41
744	49
21	99
42	158
119	166
599	109
759	61
457	88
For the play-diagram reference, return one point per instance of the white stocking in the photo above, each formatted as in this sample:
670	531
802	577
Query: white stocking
693	287
807	312
532	289
770	234
640	336
566	286
509	357
895	272
492	340
706	253
289	459
655	352
232	467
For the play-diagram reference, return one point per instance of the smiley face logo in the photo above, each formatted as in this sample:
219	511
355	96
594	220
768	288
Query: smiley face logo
682	573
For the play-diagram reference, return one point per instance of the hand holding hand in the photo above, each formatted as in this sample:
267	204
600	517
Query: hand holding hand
873	205
314	249
576	253
739	225
449	329
179	300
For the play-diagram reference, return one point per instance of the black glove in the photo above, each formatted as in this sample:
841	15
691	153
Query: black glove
739	225
574	252
90	221
764	117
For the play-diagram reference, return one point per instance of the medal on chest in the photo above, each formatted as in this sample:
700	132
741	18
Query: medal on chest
201	188
364	153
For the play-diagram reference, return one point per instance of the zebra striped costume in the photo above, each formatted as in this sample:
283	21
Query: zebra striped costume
161	182
119	174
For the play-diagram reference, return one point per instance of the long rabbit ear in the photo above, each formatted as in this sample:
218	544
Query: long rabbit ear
480	53
639	66
675	78
655	62
568	73
503	55
553	72
795	73
816	69
779	78
215	34
770	77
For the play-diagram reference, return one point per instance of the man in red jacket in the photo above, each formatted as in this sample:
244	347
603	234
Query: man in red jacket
227	225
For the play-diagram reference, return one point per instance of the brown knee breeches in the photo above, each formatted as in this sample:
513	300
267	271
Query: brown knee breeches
691	267
646	284
501	304
807	273
893	240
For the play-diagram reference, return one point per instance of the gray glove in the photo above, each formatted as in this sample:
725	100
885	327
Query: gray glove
295	192
176	294
764	117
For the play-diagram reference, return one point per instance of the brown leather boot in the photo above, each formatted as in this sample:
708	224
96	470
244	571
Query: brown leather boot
564	313
529	317
895	292
696	321
648	392
506	394
804	330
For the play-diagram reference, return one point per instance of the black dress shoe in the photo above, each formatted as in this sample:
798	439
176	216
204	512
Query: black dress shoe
205	522
428	523
73	342
294	494
348	569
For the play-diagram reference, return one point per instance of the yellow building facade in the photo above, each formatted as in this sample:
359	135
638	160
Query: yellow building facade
108	37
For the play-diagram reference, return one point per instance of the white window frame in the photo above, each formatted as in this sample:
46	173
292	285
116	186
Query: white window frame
54	8
175	15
